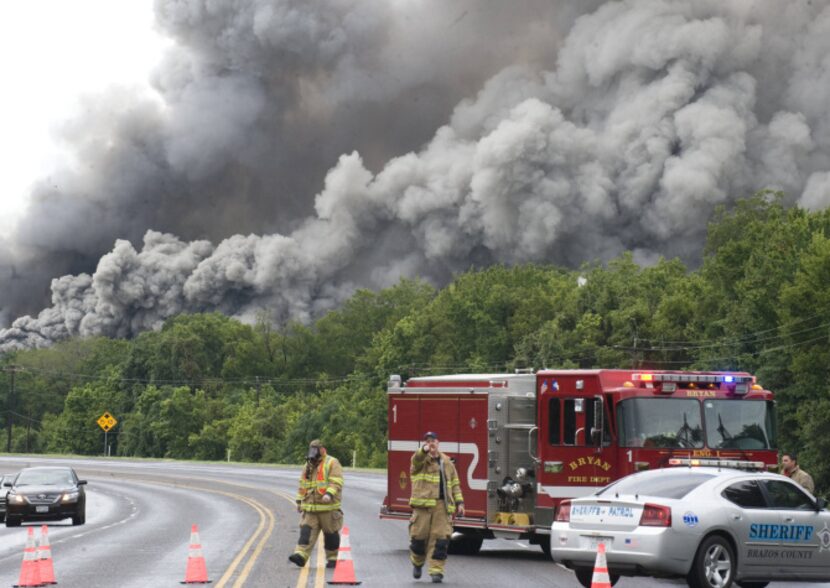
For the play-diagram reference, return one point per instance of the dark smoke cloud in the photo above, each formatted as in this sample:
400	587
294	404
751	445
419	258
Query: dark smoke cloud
435	136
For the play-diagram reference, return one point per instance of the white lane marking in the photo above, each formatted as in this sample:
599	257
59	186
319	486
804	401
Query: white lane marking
463	448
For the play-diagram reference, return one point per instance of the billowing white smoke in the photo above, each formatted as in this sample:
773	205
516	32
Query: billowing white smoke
654	112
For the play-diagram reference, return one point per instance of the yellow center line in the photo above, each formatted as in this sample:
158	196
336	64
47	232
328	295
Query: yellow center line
243	576
321	565
302	580
244	551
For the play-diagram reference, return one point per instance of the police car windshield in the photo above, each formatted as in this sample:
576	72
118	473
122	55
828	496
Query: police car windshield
669	486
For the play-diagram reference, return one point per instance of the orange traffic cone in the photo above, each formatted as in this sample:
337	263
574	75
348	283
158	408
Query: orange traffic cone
344	570
29	575
44	561
196	572
601	578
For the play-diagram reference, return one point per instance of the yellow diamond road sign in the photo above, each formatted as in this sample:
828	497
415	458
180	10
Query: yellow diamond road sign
106	421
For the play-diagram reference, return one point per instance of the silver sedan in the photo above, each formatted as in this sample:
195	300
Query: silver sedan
709	525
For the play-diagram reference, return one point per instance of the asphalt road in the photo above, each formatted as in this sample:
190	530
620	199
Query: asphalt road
139	516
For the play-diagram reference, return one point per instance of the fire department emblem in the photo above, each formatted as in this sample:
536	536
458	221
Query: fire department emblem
473	423
824	538
402	480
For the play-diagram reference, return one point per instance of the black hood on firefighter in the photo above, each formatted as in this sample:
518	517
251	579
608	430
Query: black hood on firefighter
315	450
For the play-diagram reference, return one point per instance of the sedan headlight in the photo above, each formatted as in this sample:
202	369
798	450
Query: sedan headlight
16	499
70	497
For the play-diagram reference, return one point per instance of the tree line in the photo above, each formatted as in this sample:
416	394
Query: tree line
208	387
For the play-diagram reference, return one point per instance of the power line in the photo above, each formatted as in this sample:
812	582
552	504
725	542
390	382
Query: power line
247	380
722	344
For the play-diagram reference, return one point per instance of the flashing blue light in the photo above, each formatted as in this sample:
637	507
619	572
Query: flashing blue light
729	379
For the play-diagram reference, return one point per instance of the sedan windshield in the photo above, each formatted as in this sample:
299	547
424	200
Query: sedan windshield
660	422
44	478
740	424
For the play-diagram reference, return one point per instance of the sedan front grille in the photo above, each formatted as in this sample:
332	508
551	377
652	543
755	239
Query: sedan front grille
43	498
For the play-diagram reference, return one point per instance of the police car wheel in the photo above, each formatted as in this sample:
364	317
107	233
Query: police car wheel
714	564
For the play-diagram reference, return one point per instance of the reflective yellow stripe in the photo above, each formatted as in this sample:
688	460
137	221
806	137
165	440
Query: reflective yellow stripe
336	480
321	507
432	478
422	502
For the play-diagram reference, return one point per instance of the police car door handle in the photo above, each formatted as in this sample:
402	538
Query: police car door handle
736	516
788	519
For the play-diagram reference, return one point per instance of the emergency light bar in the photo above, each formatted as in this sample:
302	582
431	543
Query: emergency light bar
689	378
721	463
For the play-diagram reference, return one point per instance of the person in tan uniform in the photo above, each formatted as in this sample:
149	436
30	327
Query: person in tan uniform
436	498
789	468
318	499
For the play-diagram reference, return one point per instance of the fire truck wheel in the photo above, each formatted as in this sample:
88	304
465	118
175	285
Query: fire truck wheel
465	543
586	577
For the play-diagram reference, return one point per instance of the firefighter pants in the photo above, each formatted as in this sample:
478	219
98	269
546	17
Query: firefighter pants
312	523
429	533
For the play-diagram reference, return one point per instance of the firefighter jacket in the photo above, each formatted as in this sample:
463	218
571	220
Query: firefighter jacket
426	481
316	482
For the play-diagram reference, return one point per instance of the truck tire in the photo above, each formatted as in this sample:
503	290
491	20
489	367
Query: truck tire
466	543
544	544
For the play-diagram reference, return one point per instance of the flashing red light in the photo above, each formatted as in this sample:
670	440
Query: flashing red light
655	515
563	513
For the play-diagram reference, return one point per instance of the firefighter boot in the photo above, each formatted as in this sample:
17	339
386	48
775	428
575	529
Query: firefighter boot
437	578
416	572
297	558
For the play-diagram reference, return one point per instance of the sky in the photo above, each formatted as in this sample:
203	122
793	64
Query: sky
55	52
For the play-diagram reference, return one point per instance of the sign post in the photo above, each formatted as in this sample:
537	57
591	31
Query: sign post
106	421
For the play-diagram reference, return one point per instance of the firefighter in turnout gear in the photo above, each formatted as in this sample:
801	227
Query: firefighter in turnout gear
436	497
318	499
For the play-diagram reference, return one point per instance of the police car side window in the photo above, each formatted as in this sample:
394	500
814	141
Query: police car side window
787	495
746	494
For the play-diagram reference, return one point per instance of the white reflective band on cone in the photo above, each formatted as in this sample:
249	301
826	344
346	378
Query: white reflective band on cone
345	555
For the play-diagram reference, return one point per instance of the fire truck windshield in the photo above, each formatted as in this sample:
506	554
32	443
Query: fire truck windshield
660	422
740	424
678	423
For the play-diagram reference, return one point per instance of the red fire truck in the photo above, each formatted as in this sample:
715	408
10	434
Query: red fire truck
522	442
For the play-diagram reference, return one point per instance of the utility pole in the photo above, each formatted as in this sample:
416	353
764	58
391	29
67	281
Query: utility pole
12	369
257	390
